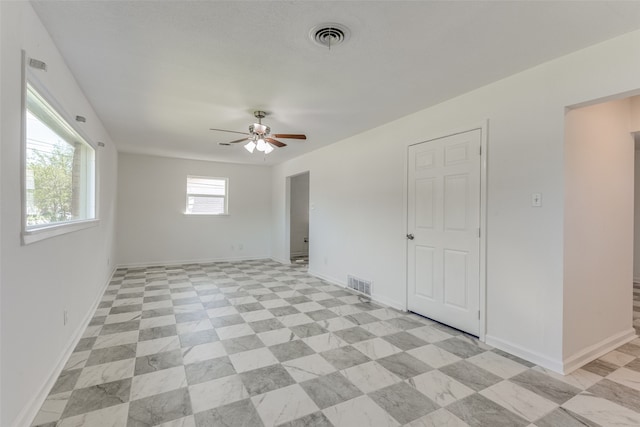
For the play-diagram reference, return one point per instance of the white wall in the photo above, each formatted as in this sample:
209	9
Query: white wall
152	226
351	231
41	280
598	229
635	128
636	221
299	202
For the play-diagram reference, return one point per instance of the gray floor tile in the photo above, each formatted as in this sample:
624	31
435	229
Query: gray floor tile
404	340
361	318
550	388
284	311
111	354
236	414
345	357
354	335
191	317
266	379
240	344
600	367
114	328
157	312
321	315
317	419
617	393
159	408
157	332
564	418
266	325
157	362
209	369
97	397
459	347
404	323
404	365
66	381
200	337
230	320
308	330
478	411
85	344
471	375
291	350
403	402
330	390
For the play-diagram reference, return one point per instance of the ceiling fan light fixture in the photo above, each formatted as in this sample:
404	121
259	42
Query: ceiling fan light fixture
250	146
261	145
268	148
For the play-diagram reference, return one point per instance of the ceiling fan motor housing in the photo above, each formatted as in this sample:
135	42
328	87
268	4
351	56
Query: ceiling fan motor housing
259	129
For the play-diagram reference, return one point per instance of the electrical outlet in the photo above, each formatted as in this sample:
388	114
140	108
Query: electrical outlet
65	317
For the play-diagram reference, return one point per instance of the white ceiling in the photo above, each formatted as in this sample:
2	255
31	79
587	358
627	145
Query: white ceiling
161	73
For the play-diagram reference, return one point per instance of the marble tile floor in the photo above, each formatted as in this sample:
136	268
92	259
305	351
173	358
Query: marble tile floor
258	343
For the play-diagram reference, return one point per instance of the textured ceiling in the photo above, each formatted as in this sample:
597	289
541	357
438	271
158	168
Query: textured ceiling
161	73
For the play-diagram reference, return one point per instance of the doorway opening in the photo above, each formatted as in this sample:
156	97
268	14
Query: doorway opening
600	262
299	219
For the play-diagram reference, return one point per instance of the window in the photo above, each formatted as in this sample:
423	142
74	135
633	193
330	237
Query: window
206	196
59	171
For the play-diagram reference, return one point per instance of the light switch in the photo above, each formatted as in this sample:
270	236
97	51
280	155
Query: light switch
536	200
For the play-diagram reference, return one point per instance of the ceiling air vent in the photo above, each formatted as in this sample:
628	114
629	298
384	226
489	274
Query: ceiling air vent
329	35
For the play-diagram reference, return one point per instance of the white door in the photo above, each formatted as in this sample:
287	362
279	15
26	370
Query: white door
443	233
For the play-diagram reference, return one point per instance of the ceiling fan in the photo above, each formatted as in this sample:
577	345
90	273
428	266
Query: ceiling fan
259	136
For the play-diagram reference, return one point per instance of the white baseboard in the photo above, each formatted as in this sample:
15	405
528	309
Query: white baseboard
526	354
596	350
169	263
375	297
28	414
281	261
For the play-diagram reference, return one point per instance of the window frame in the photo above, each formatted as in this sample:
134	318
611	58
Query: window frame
32	234
225	197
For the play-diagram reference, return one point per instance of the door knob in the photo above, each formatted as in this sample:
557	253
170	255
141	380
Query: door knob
410	236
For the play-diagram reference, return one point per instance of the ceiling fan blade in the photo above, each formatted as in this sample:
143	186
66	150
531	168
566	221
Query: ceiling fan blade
275	142
290	135
231	131
238	140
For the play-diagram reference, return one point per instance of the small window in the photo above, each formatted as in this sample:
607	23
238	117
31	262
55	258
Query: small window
206	196
59	177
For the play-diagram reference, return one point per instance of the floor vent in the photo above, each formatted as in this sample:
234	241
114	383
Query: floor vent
360	285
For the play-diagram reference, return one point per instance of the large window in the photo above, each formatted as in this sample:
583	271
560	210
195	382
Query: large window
59	181
206	196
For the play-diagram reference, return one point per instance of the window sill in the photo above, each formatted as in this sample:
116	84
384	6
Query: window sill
37	234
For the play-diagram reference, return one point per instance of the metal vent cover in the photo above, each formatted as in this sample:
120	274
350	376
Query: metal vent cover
360	285
329	35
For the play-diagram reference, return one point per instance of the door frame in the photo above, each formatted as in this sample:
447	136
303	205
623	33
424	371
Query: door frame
287	214
483	127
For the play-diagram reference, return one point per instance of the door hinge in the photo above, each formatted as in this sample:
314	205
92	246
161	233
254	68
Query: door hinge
478	314
480	151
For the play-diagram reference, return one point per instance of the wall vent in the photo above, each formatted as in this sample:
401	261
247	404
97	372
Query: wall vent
359	285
